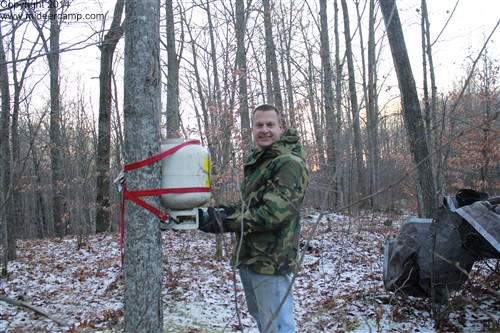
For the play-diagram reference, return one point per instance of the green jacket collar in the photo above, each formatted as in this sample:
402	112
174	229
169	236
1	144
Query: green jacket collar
288	143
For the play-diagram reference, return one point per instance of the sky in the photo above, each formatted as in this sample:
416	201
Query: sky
464	35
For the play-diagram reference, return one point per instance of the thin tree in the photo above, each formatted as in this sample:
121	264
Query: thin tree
337	117
329	103
20	77
55	127
107	48
241	63
221	117
285	36
198	94
142	270
6	205
358	148
51	48
273	80
412	114
431	102
372	110
173	63
310	73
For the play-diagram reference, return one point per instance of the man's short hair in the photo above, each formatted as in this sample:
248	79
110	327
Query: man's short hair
268	107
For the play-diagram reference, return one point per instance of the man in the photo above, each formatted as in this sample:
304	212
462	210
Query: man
267	221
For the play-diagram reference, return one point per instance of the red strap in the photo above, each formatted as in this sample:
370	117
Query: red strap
122	221
149	193
158	157
134	195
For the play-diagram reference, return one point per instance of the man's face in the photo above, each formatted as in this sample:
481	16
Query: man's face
266	128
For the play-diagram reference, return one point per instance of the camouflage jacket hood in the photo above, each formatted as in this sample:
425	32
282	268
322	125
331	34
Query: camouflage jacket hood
268	220
288	144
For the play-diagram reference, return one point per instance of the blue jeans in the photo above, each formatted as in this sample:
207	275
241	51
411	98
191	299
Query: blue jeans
264	293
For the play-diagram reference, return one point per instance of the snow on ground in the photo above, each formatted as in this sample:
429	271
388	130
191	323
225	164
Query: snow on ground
339	288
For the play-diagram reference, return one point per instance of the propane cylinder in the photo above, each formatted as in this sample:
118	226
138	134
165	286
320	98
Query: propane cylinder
188	167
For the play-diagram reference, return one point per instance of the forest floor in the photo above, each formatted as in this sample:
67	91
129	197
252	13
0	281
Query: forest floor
339	288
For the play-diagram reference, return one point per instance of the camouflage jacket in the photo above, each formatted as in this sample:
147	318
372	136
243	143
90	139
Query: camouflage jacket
274	185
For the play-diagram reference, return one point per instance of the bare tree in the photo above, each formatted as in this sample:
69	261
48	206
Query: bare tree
6	205
289	14
20	77
51	48
221	116
412	113
198	93
241	62
107	48
310	73
372	110
337	117
55	130
173	116
329	104
273	80
142	270
353	98
430	102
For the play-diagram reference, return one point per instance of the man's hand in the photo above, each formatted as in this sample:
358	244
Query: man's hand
212	220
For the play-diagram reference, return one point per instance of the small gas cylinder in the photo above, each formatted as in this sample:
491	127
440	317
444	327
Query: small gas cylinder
188	167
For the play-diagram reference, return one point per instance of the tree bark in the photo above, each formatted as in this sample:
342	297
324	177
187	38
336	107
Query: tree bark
317	121
285	37
372	110
274	97
241	62
434	130
108	46
358	148
338	186
19	76
55	128
173	117
6	205
412	113
142	111
329	105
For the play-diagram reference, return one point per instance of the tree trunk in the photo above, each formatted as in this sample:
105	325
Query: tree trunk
18	78
201	99
6	204
411	110
55	128
103	222
358	148
221	117
241	62
272	63
434	129
372	110
329	105
142	270
312	93
173	117
286	39
339	190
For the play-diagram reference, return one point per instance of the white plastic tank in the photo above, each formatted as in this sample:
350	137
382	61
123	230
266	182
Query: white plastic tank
186	168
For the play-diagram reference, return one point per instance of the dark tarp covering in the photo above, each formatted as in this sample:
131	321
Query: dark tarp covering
432	258
401	272
484	217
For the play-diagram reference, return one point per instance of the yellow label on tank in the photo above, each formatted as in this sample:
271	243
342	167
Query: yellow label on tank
206	165
207	169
